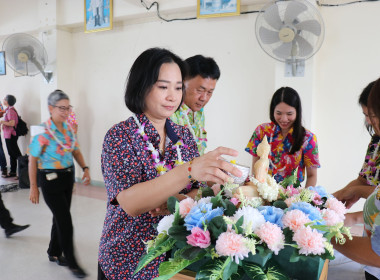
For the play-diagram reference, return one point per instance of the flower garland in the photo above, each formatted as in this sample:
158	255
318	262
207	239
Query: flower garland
159	165
65	147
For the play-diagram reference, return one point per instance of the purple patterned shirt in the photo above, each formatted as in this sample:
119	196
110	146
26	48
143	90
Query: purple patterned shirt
124	164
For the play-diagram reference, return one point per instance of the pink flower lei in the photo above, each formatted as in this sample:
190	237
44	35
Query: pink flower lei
160	166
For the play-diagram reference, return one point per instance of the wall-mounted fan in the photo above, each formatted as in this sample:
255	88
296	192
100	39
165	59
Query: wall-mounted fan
290	31
26	55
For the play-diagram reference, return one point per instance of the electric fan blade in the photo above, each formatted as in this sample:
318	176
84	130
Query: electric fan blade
272	17
268	36
293	10
312	26
284	50
304	47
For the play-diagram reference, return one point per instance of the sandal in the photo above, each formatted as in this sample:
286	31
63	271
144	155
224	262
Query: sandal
9	175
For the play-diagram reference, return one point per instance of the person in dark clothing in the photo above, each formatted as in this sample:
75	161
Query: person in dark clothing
6	221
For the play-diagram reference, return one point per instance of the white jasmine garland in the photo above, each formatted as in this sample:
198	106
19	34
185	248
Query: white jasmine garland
165	224
267	190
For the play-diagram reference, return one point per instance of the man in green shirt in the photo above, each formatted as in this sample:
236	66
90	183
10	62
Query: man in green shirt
203	73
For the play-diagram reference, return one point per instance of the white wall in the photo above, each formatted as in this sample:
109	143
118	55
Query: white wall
92	69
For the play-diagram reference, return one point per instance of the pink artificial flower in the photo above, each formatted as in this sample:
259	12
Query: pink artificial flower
216	188
272	235
295	219
290	200
290	190
331	217
310	241
185	206
317	200
231	244
199	238
235	201
336	205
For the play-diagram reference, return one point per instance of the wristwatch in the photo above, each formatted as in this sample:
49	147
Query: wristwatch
84	168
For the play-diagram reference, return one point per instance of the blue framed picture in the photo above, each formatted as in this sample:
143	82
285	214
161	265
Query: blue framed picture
218	8
98	15
3	70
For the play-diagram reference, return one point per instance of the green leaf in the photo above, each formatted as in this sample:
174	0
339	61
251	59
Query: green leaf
254	271
217	226
178	232
191	252
274	272
280	204
230	208
207	191
230	269
171	204
213	269
177	217
170	268
154	253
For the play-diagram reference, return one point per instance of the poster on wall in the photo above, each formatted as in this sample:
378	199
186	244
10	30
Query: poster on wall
97	15
2	63
218	8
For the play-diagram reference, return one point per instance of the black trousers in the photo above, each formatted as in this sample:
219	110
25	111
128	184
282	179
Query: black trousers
57	193
13	151
5	217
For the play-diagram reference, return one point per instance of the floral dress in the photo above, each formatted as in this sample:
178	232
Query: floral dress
126	162
282	163
371	217
371	166
195	121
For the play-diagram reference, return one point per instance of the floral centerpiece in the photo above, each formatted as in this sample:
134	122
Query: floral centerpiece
237	235
261	230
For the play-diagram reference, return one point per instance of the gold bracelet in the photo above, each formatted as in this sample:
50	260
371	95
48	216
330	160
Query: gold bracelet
192	180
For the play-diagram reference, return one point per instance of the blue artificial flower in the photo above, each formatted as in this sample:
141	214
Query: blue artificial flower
272	214
312	212
201	214
320	190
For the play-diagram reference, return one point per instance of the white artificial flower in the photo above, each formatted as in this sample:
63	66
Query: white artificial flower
267	190
204	200
165	223
253	219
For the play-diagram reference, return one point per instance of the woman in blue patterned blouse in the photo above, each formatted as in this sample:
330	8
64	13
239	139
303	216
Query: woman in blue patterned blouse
145	160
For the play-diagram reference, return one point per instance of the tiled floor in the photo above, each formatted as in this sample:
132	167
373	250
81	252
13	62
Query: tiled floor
23	256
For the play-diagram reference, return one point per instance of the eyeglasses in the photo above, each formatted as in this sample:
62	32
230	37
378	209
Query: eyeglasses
64	109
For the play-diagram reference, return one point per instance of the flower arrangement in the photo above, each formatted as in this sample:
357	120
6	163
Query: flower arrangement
234	236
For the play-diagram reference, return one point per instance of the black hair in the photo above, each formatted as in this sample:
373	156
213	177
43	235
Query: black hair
10	99
290	97
144	74
206	67
363	100
374	102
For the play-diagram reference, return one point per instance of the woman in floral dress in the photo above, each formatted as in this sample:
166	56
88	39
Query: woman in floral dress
292	146
145	160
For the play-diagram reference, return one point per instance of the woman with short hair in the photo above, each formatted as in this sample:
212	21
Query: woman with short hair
51	160
145	160
9	124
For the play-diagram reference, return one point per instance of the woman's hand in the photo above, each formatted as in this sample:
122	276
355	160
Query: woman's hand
34	195
86	179
210	166
162	210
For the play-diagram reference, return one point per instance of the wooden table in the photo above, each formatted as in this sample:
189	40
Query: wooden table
190	275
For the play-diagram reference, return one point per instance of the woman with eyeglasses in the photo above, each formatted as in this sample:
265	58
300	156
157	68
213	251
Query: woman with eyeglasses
9	123
52	149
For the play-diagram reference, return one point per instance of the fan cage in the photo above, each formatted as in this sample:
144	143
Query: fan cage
22	42
312	13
